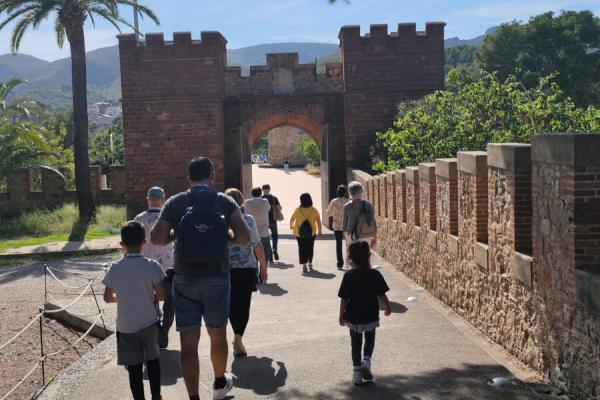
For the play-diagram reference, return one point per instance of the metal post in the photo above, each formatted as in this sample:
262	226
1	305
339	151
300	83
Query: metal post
42	348
45	285
136	23
99	310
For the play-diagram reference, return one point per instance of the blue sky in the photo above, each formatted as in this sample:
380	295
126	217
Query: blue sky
249	22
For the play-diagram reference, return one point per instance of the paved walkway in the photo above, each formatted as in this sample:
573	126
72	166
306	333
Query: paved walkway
297	350
88	246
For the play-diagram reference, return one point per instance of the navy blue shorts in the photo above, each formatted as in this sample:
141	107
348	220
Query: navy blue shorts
201	297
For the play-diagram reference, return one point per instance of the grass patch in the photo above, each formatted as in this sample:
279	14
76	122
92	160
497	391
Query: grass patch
46	226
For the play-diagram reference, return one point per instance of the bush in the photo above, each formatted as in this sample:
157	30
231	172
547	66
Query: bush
308	148
473	112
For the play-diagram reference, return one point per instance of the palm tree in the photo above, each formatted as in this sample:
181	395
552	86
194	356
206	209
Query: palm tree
70	16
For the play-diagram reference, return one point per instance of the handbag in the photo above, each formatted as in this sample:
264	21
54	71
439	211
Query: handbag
277	214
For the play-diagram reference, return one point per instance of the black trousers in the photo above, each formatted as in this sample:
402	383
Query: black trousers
243	283
306	249
357	344
274	234
136	379
339	246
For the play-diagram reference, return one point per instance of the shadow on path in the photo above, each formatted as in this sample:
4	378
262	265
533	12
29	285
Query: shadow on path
259	374
397	308
319	275
281	265
272	289
469	382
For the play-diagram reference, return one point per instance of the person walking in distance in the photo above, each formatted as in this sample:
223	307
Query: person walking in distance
259	208
155	198
204	222
335	211
358	220
286	167
244	266
306	225
134	283
361	291
275	215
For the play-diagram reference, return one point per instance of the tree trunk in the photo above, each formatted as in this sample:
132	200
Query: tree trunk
85	198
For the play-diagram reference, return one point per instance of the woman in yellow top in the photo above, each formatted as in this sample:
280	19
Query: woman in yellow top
306	224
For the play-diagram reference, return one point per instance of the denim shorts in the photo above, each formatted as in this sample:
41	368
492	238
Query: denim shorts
201	297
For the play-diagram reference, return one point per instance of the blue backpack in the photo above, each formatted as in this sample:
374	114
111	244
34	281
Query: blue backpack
203	235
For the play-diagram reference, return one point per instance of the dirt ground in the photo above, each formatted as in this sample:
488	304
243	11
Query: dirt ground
21	296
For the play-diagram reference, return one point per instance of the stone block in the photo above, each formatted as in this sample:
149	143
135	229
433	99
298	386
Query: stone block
412	174
522	269
427	171
473	162
577	149
446	168
588	290
432	237
512	157
481	255
453	245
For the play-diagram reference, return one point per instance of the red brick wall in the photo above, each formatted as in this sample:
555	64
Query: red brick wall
382	69
172	109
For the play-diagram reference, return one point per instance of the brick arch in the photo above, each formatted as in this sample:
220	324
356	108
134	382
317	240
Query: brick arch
263	126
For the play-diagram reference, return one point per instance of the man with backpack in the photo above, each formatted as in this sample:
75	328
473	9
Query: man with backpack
203	222
275	215
359	218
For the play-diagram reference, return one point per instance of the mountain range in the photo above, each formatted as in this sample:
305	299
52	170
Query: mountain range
50	82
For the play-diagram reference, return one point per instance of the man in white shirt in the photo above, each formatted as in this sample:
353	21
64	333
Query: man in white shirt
163	254
259	208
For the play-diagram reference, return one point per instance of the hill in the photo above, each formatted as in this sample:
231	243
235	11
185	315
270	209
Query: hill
50	82
476	41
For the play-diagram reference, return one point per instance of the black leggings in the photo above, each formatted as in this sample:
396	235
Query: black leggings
136	379
339	244
306	249
357	339
243	282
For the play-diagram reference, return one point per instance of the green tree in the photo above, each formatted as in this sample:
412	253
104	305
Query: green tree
70	18
101	152
568	44
262	146
308	148
459	56
470	115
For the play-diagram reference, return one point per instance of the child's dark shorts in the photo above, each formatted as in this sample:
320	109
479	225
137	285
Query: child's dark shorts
135	348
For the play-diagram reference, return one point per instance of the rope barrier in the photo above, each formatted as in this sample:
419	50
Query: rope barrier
31	371
78	340
71	303
62	283
71	312
22	331
73	274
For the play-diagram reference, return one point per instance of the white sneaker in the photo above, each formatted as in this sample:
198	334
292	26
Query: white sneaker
219	394
310	267
365	371
357	377
304	269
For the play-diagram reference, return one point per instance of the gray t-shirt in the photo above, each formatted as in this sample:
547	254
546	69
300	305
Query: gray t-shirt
174	210
133	279
352	210
259	209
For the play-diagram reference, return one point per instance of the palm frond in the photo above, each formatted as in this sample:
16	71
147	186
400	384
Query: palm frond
20	30
59	29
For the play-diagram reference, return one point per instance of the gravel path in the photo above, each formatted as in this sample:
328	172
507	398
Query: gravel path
21	296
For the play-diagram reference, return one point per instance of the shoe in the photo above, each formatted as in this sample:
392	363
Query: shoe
304	269
238	347
310	267
163	337
365	371
219	394
341	267
357	377
275	256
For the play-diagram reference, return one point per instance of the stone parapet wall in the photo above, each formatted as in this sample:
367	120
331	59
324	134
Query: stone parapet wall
510	239
21	196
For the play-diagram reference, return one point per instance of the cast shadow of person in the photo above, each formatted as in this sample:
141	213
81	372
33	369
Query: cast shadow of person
272	289
262	375
397	308
319	275
170	368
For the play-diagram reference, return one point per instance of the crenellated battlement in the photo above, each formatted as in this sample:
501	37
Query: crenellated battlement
180	39
24	193
283	74
405	31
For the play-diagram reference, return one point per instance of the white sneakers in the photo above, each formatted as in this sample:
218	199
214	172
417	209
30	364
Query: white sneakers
219	394
362	374
304	269
310	267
